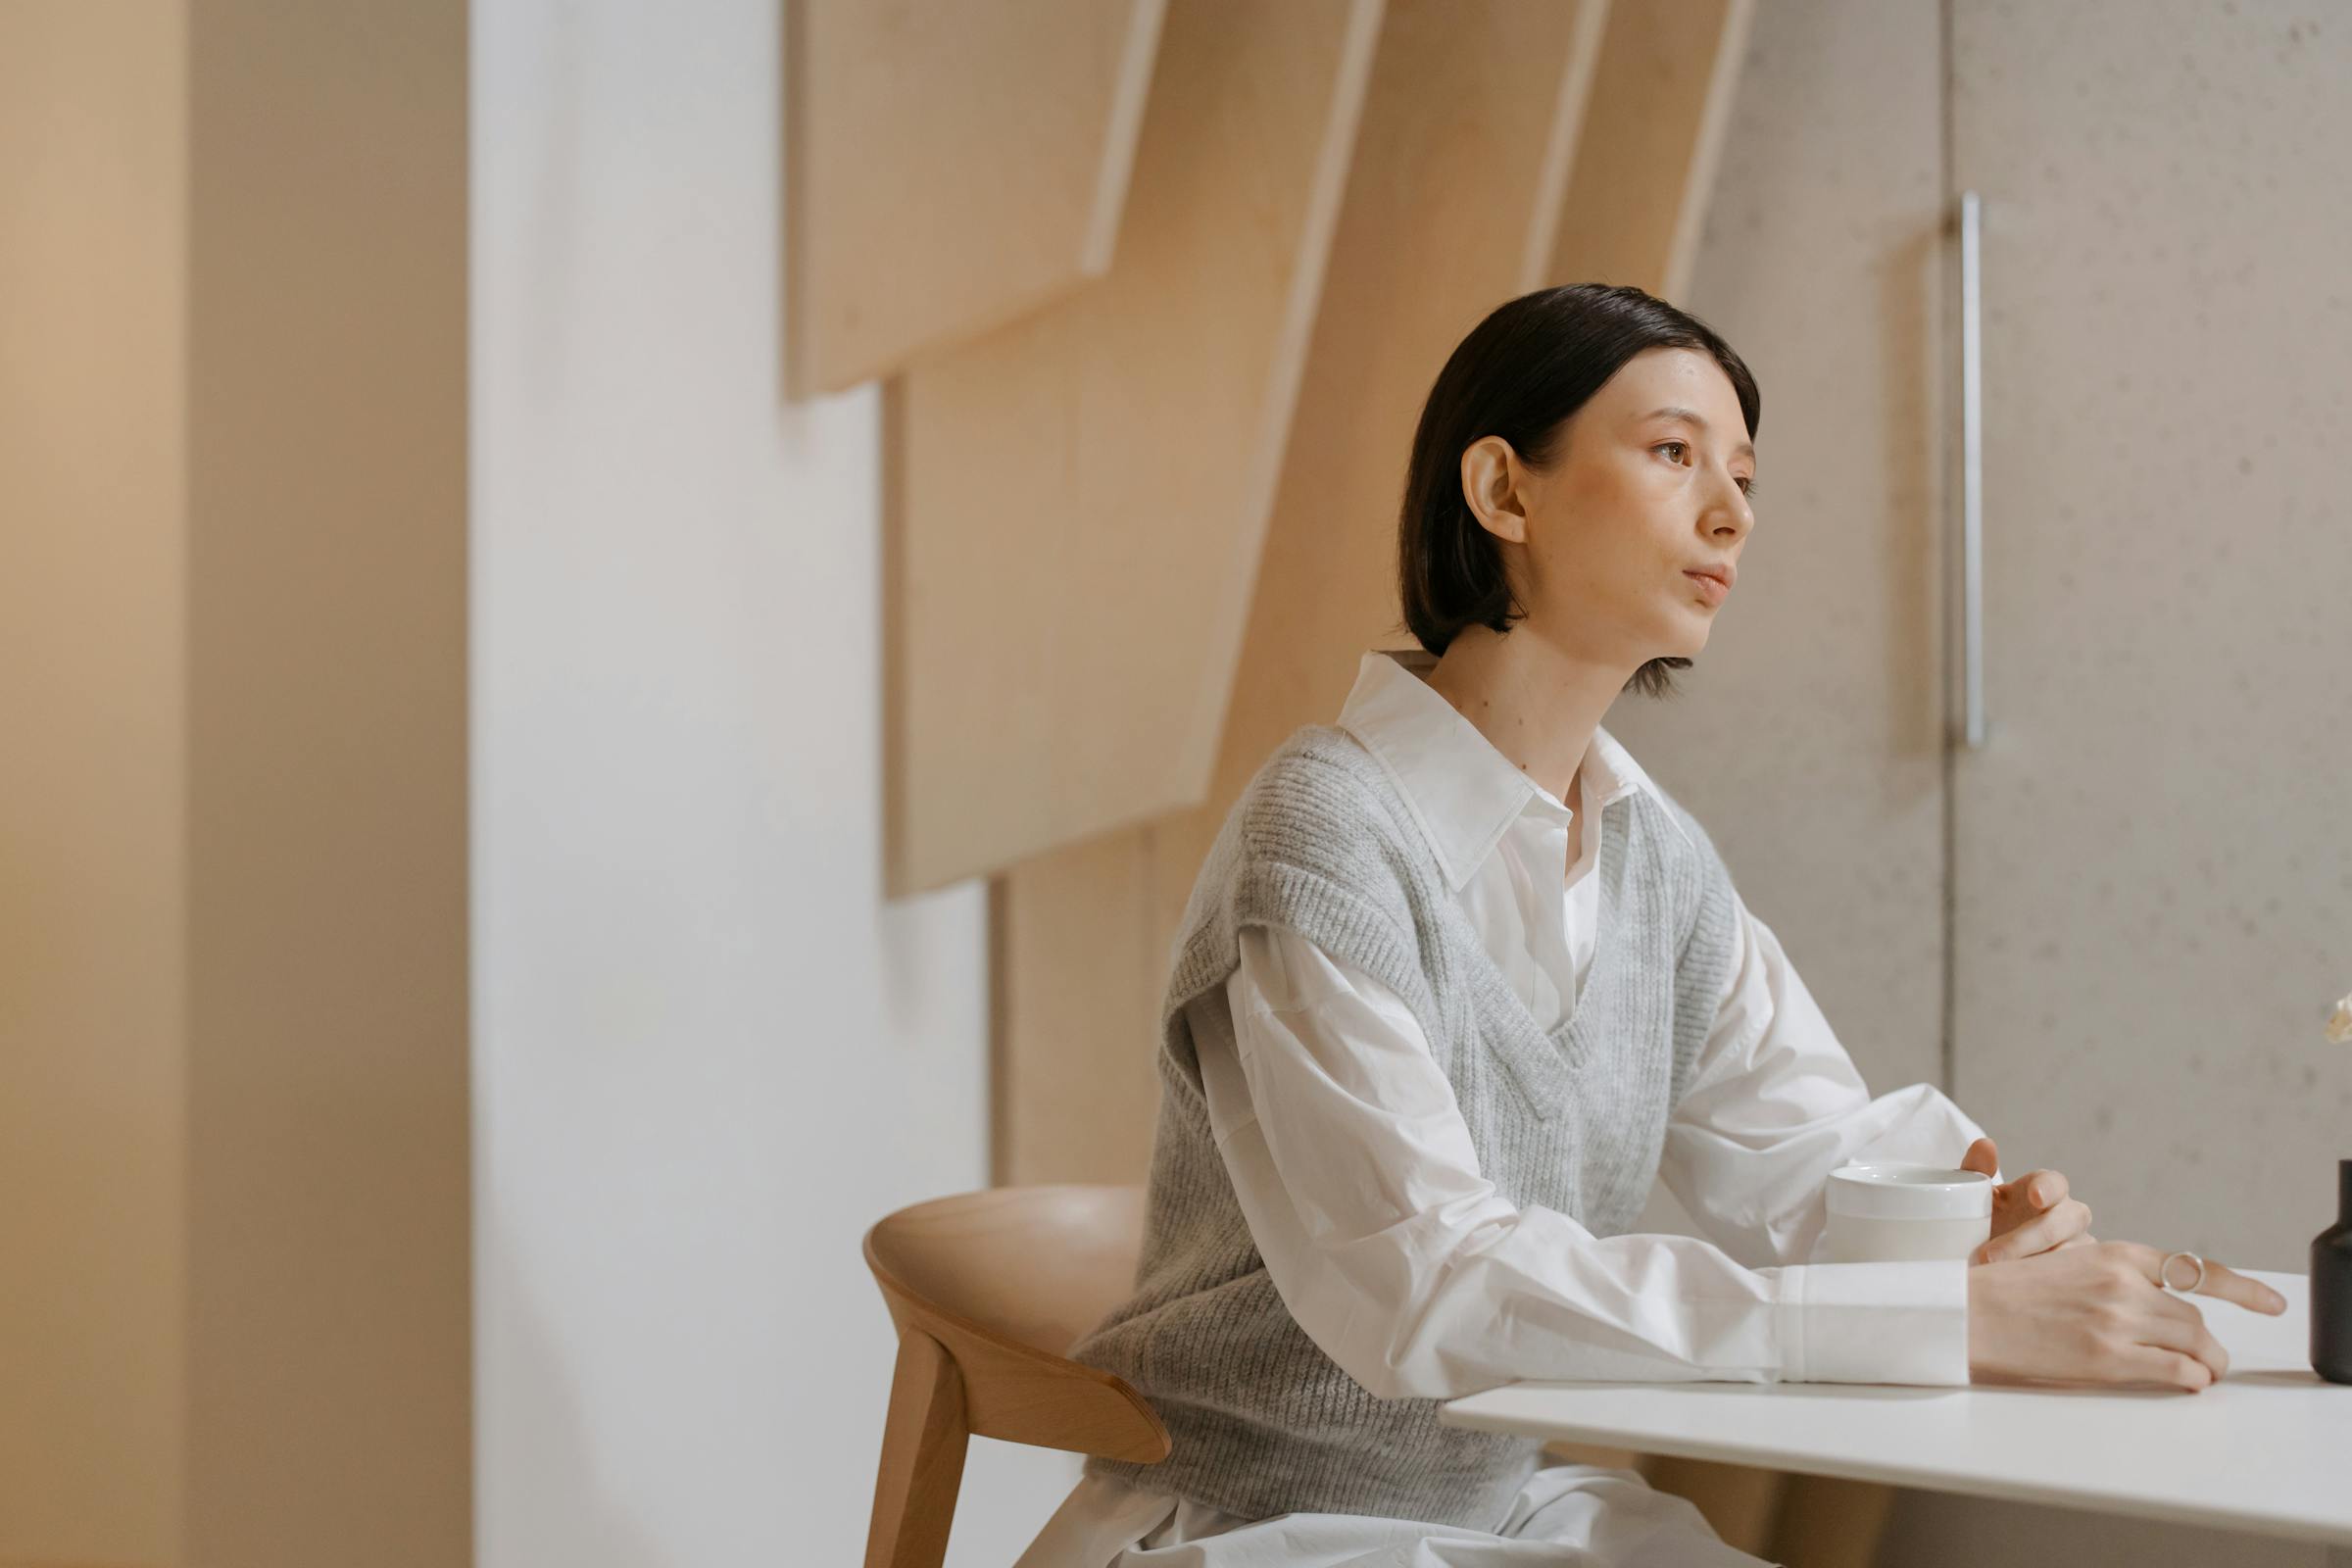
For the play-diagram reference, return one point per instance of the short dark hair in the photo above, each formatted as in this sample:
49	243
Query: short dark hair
1519	375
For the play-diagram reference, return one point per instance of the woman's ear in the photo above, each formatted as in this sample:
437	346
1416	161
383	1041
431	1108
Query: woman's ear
1491	487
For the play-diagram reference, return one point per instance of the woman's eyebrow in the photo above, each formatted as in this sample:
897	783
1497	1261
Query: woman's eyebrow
1746	449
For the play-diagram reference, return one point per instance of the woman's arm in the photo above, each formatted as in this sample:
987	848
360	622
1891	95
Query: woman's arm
1775	1104
1356	1175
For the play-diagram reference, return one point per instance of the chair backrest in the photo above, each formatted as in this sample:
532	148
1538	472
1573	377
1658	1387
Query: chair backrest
989	1290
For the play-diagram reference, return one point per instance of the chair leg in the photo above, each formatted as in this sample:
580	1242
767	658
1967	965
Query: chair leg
923	1443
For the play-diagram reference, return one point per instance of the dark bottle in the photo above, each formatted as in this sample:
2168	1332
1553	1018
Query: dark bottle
2332	1287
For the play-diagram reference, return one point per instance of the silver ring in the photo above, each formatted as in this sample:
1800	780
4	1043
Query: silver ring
2164	1274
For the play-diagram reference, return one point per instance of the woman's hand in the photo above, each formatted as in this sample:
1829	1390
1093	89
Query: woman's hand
2095	1313
2031	1214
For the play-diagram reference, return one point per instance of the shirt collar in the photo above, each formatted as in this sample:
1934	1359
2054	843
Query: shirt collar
1464	793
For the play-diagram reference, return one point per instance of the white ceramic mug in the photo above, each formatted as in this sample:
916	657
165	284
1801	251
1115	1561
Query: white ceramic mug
1893	1211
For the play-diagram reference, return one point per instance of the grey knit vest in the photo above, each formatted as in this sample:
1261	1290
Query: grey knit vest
1322	842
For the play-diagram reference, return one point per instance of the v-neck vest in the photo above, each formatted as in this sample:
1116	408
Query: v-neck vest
1572	1118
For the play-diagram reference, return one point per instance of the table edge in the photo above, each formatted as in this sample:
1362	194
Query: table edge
1922	1478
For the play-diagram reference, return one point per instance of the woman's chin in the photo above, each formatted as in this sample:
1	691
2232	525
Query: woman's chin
1686	640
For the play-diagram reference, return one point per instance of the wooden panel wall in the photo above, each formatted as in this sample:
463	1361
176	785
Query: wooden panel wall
1467	132
949	167
1645	165
1116	570
1077	500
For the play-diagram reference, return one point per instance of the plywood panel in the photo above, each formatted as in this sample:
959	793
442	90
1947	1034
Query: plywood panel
949	168
1467	132
1078	499
1646	164
1076	979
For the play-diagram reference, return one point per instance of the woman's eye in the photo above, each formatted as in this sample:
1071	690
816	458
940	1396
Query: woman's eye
1748	487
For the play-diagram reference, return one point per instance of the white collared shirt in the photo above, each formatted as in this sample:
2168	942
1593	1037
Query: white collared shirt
1355	1171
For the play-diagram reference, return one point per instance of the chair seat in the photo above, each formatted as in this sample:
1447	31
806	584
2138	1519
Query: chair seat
1038	1265
989	1290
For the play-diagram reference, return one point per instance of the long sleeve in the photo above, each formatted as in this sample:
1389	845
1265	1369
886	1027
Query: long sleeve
1356	1174
1775	1104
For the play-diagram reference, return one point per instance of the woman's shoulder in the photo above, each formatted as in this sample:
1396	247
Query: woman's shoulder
1320	782
1321	804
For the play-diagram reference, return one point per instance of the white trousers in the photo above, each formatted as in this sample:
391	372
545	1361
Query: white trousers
1566	1516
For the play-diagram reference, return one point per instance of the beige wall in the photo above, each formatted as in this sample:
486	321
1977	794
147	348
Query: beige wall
1811	741
234	1103
92	778
329	1311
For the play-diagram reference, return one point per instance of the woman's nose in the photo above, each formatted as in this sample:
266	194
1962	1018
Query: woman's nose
1730	514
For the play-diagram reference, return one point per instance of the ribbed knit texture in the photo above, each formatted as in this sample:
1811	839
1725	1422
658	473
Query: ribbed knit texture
1322	842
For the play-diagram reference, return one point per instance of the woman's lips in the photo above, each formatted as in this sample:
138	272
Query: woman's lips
1711	588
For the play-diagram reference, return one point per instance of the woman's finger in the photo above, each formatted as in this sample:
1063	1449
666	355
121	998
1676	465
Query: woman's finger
2042	1189
2146	1363
2047	1231
2174	1324
2230	1286
2222	1282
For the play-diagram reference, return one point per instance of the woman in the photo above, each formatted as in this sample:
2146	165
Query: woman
1432	1031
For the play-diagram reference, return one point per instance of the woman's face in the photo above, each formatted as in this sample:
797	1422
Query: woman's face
1649	482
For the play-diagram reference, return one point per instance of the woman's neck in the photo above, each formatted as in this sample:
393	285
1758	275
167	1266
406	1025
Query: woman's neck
1535	703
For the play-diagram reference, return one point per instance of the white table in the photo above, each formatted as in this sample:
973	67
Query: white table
2267	1449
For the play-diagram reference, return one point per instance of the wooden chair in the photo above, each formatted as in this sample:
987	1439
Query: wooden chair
989	1290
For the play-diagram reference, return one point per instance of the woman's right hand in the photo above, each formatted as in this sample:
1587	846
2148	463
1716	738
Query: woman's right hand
2095	1313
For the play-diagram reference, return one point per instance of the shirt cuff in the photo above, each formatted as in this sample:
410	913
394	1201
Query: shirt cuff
1874	1322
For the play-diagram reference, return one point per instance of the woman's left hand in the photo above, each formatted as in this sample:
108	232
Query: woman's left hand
2031	1214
